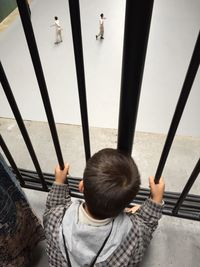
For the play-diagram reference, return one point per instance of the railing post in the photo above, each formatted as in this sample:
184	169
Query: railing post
28	30
78	53
11	160
187	187
136	32
18	117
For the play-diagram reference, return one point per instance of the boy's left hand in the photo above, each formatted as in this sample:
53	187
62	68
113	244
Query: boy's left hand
61	175
133	209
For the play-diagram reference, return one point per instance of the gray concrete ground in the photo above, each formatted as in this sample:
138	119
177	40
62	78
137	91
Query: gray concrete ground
146	150
176	241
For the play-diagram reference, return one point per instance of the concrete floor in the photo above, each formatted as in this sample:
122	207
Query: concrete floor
177	241
147	149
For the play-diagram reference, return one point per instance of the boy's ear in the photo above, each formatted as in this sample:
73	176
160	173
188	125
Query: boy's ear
81	186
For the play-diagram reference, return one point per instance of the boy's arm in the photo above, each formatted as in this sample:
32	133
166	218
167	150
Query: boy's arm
58	197
151	210
57	200
146	218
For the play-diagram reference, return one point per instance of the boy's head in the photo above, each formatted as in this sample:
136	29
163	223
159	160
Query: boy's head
110	181
101	15
56	18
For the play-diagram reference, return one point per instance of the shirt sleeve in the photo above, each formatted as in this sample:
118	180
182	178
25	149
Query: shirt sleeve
150	212
145	222
57	199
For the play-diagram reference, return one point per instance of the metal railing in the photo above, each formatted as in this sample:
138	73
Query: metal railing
136	32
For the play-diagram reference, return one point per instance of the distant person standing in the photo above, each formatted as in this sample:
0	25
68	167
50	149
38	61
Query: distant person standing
101	27
58	30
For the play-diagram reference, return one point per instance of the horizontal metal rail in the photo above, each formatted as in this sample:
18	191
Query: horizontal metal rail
187	188
143	191
190	208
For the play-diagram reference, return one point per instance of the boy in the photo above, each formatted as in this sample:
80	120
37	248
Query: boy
101	27
98	232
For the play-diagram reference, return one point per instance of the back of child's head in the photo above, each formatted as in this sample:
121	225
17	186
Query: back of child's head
111	180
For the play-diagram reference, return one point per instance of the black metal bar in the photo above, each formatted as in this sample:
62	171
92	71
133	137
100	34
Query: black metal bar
28	30
190	208
143	191
191	197
78	53
190	204
136	32
11	160
183	215
28	7
32	177
187	187
187	85
28	179
18	117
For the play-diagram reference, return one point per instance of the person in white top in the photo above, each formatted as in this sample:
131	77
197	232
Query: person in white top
101	27
58	30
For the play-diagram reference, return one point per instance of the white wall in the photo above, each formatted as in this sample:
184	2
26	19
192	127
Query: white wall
174	29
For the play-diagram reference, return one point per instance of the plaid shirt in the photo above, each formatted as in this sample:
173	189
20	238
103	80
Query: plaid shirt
129	252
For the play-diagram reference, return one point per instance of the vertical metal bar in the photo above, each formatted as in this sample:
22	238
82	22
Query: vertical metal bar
187	85
187	187
18	117
78	53
11	160
136	32
28	30
28	7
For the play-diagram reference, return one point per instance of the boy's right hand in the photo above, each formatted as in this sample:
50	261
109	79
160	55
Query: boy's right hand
157	190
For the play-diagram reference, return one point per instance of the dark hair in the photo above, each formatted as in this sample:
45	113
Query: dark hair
111	180
55	18
101	15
